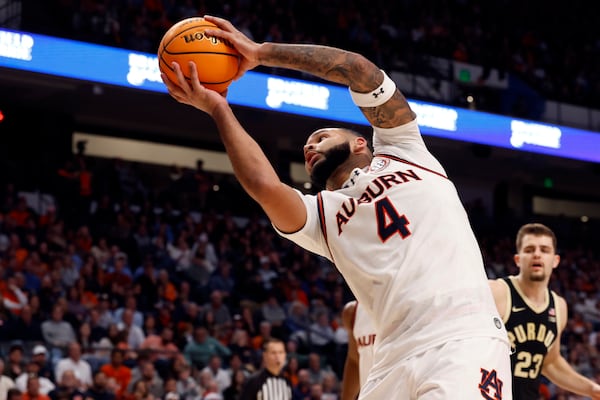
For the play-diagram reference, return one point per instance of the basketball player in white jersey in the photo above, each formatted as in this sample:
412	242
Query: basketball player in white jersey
359	359
391	221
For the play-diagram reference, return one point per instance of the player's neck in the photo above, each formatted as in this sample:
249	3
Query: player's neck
342	173
534	290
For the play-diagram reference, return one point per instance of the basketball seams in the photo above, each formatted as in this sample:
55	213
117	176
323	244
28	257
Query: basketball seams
184	42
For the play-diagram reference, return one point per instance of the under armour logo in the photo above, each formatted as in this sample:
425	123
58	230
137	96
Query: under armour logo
489	380
379	93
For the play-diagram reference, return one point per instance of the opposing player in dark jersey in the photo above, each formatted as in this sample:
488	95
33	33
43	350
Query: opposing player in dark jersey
268	383
535	317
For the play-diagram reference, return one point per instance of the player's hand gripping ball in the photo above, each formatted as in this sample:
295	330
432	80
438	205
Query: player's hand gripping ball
217	62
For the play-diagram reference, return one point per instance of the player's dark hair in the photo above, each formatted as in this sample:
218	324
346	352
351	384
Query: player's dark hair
535	229
268	341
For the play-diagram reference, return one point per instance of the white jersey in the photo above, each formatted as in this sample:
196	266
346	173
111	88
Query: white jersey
400	236
364	335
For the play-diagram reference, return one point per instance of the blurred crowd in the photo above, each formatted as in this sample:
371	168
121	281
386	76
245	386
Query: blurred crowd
111	287
555	50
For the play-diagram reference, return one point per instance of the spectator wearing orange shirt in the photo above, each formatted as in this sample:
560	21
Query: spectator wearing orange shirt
166	288
33	389
119	372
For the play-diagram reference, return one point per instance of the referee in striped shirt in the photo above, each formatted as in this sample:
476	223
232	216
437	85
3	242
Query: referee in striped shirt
268	383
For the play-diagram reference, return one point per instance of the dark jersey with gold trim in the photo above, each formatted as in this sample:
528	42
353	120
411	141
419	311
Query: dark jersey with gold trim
531	334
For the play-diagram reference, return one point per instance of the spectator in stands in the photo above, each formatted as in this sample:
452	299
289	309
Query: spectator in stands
234	391
119	277
147	374
130	304
25	326
33	369
13	297
292	351
33	389
15	363
202	346
274	313
105	317
218	374
222	279
14	394
302	389
57	332
321	335
204	260
181	255
330	386
218	308
240	346
99	389
69	272
266	273
186	385
118	371
139	391
146	280
291	370
74	362
39	355
315	368
134	334
67	388
161	346
170	389
6	383
264	333
166	288
298	322
248	319
97	330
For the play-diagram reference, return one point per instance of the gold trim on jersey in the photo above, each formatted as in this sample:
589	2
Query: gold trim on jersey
534	308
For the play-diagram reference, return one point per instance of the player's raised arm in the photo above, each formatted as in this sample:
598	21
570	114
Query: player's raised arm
379	100
255	173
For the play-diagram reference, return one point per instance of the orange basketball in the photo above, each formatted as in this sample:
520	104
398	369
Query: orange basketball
217	61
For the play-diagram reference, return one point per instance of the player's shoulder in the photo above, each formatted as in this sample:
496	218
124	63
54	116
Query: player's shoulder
498	284
558	299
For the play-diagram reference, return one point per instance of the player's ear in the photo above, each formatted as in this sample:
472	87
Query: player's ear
556	261
360	143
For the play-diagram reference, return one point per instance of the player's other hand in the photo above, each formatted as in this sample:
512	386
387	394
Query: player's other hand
247	48
193	93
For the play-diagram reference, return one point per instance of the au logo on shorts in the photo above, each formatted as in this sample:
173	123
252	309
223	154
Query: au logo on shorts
490	386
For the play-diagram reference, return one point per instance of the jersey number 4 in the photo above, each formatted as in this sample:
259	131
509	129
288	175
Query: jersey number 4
389	221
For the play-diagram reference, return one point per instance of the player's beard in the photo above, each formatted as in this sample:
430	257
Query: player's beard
332	159
537	277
